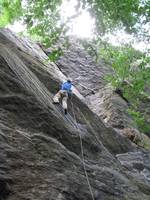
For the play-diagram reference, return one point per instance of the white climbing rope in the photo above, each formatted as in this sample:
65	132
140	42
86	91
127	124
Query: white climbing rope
82	154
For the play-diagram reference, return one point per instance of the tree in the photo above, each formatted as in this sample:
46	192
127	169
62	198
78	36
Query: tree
132	75
10	10
117	13
43	17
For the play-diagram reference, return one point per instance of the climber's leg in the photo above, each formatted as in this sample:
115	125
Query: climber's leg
57	97
64	103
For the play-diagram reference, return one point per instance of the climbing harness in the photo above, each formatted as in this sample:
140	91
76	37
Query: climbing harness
82	153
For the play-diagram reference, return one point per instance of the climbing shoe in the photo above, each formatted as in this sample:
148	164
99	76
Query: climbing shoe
65	111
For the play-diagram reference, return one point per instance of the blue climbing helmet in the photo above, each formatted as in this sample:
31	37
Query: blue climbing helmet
67	86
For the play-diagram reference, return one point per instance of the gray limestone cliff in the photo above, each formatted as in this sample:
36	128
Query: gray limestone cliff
40	148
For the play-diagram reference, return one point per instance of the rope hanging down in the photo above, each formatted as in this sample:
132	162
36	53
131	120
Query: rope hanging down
82	154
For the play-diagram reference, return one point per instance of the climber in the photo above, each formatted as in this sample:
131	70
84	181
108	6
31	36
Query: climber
64	93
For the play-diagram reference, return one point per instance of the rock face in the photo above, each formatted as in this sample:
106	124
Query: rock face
89	76
48	156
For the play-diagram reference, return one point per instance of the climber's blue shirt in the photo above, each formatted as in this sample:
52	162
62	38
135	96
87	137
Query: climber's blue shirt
66	86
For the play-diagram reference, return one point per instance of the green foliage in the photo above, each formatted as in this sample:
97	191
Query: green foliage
114	13
43	19
132	75
121	59
54	55
139	78
43	16
140	120
10	10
